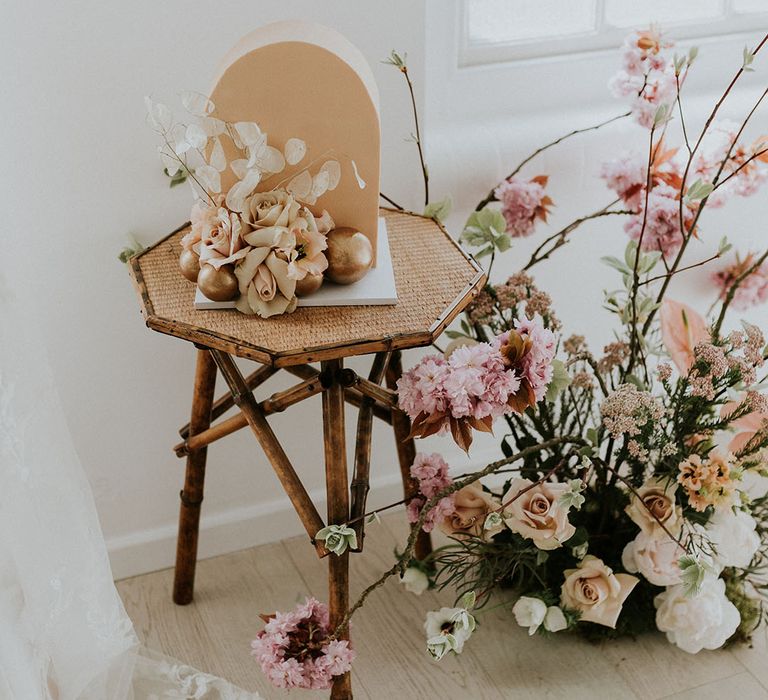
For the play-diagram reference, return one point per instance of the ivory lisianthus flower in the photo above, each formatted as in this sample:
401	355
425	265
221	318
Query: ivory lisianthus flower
704	620
734	537
595	591
538	514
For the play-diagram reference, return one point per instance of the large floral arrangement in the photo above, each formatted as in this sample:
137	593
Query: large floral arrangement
259	242
627	494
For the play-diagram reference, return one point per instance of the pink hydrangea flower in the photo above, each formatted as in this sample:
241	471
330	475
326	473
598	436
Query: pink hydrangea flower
294	649
752	290
522	202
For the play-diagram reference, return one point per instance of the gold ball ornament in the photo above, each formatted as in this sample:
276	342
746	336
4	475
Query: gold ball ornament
309	285
350	255
189	262
218	285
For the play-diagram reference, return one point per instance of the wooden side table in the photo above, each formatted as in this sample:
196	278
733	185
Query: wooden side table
435	280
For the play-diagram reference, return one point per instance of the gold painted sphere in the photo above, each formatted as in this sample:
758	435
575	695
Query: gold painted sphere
218	285
350	255
309	285
189	262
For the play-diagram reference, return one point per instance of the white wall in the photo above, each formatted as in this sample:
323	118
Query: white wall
84	174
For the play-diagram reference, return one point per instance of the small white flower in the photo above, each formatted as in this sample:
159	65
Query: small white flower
337	538
415	580
530	612
447	629
555	621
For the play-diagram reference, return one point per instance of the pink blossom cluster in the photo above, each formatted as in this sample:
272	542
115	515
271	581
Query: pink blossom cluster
535	367
752	290
294	649
473	381
522	202
659	228
647	75
431	472
626	176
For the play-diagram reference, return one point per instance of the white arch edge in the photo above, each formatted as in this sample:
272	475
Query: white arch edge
309	33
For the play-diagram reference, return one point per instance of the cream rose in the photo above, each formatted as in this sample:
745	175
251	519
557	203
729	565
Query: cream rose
537	514
471	507
595	591
694	622
221	240
202	218
266	209
655	497
262	275
655	556
308	257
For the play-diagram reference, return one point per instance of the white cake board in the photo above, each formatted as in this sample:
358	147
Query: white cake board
376	288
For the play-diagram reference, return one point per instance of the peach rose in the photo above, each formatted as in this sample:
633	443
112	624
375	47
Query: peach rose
221	241
202	217
471	506
307	257
595	591
537	514
265	286
656	497
266	209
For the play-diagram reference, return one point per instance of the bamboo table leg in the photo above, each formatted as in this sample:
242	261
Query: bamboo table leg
192	494
406	450
338	506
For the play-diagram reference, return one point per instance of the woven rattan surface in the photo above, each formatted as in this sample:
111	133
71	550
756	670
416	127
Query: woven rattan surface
435	280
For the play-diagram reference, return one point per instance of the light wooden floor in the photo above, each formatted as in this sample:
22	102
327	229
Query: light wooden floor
500	661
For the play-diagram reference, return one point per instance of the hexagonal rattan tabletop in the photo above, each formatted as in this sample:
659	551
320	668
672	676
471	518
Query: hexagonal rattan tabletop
435	280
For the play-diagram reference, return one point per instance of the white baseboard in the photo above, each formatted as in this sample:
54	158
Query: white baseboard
239	528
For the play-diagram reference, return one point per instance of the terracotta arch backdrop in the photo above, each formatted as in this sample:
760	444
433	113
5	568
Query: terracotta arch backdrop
298	79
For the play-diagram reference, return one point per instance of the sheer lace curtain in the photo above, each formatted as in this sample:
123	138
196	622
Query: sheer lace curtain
64	634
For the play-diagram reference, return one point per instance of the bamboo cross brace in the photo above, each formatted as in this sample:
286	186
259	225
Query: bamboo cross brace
382	395
276	403
225	402
271	447
361	475
351	395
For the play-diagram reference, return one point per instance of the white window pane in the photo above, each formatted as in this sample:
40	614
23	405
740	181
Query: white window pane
750	6
504	21
630	13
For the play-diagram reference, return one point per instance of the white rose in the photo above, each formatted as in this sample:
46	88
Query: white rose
733	537
702	621
529	612
415	580
655	556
